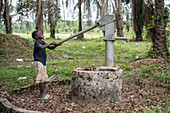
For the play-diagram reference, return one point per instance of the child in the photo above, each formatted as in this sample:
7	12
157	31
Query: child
40	61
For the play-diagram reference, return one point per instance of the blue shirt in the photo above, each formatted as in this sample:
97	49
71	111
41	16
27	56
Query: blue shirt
39	54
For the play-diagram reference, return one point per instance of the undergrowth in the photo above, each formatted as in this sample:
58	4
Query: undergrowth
71	55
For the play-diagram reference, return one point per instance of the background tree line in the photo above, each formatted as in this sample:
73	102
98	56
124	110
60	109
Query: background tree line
150	14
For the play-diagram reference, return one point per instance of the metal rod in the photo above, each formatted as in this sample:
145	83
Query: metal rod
122	38
74	35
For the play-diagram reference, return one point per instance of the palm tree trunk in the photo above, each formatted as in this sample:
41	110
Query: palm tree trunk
119	20
80	37
51	13
52	31
89	22
104	10
159	37
39	16
131	6
1	7
138	20
7	18
64	9
99	9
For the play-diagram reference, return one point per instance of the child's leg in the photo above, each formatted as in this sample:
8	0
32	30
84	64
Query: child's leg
42	89
41	77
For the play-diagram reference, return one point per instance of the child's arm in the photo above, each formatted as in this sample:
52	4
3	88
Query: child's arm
54	46
48	45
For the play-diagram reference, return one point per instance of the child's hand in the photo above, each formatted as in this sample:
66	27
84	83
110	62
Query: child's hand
53	43
58	44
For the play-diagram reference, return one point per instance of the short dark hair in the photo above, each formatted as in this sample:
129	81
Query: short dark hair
34	34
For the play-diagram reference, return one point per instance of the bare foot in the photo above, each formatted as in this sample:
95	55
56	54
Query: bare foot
42	95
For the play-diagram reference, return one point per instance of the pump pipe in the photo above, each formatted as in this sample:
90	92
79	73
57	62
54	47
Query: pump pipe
76	34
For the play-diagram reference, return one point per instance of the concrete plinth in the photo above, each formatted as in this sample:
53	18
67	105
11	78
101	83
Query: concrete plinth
102	85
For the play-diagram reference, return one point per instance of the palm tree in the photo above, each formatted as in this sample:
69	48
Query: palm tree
1	7
39	16
64	8
45	13
127	18
80	37
87	8
148	12
104	10
138	18
53	15
7	18
24	9
118	17
99	7
159	34
119	20
51	18
102	7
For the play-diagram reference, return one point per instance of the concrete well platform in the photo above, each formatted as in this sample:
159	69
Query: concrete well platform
101	85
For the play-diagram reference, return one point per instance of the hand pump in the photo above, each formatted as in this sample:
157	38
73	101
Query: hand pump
105	24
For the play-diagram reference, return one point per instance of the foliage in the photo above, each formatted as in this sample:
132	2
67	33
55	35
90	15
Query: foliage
73	54
75	29
23	8
127	1
2	27
129	34
164	16
157	71
127	14
151	31
152	23
157	110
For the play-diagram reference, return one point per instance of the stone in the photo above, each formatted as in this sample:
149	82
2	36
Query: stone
100	86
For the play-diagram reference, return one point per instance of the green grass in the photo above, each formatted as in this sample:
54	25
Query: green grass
69	56
64	59
10	74
157	110
145	70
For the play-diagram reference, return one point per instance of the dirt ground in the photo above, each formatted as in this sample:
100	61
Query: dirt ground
135	97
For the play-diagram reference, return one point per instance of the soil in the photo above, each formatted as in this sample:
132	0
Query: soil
136	96
13	47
